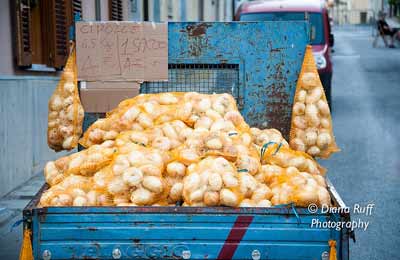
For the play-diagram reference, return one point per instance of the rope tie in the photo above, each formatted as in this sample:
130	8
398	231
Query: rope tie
265	147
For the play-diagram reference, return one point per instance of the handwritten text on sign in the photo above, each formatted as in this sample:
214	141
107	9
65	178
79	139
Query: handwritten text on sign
122	51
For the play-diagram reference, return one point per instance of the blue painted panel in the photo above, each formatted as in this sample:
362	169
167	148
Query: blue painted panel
269	55
164	232
149	235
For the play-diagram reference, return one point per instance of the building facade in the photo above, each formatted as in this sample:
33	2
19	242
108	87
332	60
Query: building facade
356	12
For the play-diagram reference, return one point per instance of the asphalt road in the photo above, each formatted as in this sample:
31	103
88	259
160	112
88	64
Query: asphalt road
366	118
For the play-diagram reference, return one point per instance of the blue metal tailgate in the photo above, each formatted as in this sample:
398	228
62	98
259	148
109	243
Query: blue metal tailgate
182	232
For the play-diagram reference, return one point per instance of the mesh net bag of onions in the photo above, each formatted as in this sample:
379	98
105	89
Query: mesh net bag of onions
147	111
65	110
311	128
195	150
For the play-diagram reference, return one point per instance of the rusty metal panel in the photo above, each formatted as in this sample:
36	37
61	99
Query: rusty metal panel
268	56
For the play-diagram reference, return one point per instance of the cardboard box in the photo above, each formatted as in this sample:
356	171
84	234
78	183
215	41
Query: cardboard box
136	51
103	96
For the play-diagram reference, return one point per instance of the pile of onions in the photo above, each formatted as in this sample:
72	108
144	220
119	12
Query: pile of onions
197	151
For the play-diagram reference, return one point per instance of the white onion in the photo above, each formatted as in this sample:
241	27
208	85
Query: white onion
167	99
153	184
211	198
309	80
301	96
313	151
215	181
264	204
176	191
214	143
300	122
204	105
131	114
325	123
310	137
228	198
56	103
142	197
176	169
144	120
80	201
69	87
314	96
229	180
132	176
323	140
323	107
298	144
299	108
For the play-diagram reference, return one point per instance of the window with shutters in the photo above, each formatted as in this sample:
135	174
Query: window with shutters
23	33
115	9
42	29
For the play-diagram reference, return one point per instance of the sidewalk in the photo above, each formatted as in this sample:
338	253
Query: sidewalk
11	207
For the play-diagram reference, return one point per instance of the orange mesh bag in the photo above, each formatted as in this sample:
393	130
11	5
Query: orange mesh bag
277	154
248	162
255	193
289	185
167	98
261	137
311	127
65	110
139	113
214	181
203	142
47	196
174	174
89	161
86	163
65	193
164	137
219	144
214	112
138	171
217	112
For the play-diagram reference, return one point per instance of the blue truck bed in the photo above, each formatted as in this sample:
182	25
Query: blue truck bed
183	232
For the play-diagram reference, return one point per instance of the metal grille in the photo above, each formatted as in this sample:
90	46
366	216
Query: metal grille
202	78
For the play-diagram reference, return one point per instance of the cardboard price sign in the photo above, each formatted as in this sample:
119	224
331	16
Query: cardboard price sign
122	51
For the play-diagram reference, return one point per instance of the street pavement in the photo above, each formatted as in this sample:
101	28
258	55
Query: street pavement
366	116
11	207
366	119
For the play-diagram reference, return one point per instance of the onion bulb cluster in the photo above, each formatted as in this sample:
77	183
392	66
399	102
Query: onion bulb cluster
196	150
66	113
311	129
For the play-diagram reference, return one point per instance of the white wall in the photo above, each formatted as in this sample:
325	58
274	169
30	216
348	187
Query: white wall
23	128
192	10
88	10
209	10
